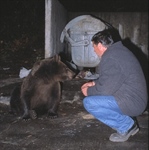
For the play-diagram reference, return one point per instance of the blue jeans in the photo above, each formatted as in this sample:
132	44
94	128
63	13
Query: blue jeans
106	110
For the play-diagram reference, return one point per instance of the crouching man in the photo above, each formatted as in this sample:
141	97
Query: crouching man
119	95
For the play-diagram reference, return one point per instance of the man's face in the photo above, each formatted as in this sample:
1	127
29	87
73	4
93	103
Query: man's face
99	49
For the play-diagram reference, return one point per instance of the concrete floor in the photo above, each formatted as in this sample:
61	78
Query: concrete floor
74	129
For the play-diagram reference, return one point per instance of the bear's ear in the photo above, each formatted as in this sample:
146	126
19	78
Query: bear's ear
35	67
57	58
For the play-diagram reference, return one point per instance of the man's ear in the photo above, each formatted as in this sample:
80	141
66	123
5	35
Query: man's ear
101	47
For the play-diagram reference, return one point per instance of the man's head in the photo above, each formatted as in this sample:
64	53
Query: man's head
103	39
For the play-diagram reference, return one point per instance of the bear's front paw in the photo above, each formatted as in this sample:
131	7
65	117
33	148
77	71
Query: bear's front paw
26	117
33	114
52	115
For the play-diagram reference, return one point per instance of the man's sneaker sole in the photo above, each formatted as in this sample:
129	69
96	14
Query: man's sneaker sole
116	137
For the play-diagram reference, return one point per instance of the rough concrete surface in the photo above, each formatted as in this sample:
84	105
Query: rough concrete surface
74	129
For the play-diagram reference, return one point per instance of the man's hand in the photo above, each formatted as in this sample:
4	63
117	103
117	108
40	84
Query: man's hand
85	86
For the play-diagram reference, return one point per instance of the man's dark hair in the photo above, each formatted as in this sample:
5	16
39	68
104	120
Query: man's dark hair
106	37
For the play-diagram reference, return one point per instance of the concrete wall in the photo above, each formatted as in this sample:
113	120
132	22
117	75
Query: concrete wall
55	21
132	26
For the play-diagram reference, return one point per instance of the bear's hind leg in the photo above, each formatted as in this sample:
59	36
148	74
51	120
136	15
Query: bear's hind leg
15	101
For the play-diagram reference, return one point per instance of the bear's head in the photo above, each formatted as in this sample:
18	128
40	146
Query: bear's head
52	69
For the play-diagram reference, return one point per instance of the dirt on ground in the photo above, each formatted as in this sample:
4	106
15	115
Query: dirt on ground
74	129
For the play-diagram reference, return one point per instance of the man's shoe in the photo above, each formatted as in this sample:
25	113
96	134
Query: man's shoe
117	137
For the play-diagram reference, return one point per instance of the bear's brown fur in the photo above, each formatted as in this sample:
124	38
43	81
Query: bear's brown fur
41	89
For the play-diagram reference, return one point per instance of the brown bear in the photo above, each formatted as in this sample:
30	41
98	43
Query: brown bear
40	91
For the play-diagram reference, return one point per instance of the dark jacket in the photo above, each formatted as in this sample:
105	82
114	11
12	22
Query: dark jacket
121	76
